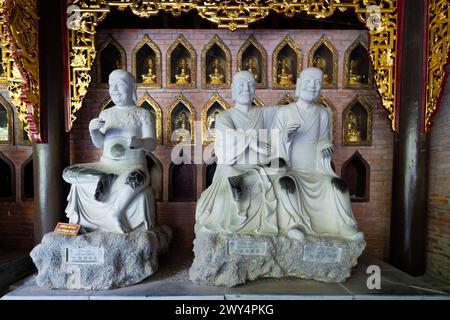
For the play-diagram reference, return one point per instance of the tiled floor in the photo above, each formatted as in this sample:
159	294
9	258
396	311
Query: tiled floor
172	282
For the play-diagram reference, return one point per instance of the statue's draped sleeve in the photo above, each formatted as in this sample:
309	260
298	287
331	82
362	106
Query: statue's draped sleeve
231	143
325	141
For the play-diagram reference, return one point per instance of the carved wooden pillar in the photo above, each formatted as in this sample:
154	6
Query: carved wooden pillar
52	156
411	147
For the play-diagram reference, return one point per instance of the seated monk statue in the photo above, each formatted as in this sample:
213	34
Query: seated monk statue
306	146
242	198
114	194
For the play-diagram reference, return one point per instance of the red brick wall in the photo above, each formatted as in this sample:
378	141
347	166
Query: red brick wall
17	216
373	216
438	247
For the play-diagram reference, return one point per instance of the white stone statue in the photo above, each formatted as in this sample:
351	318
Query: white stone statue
306	146
114	193
241	198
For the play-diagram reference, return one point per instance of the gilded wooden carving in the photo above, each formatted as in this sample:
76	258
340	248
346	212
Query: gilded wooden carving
287	61
181	65
211	109
216	66
181	117
146	64
357	123
146	101
253	57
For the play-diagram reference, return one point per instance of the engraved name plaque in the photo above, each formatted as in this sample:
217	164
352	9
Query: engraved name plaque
324	254
247	247
85	255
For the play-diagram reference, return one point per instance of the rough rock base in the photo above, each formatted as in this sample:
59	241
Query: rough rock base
228	260
98	260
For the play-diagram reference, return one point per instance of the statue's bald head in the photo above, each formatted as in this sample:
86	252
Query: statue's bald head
123	81
309	84
243	87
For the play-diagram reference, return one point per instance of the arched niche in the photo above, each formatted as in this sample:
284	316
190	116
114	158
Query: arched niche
257	102
212	108
286	64
358	72
106	104
182	183
180	122
287	99
27	180
356	173
181	65
208	174
6	122
146	63
110	56
357	123
7	179
148	103
324	55
328	104
155	169
253	57
216	65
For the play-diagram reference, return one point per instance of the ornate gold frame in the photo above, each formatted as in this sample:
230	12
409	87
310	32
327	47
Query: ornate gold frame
123	59
183	41
287	41
233	15
20	60
325	41
226	85
252	41
328	104
3	81
153	46
215	98
287	99
368	108
257	102
10	115
158	113
347	84
438	53
180	98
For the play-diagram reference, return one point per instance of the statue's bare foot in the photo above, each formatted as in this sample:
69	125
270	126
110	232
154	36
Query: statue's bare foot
104	187
296	234
287	184
357	236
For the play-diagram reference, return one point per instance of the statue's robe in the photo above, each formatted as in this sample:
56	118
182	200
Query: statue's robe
130	168
238	156
315	196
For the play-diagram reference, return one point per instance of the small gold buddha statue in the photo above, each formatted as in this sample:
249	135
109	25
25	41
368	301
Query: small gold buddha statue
117	64
354	77
285	76
251	66
321	63
150	77
182	128
216	77
183	73
352	133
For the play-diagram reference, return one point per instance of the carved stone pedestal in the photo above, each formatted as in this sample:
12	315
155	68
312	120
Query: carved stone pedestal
99	260
228	260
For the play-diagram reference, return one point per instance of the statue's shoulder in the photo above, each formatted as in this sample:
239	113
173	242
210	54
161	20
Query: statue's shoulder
143	114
